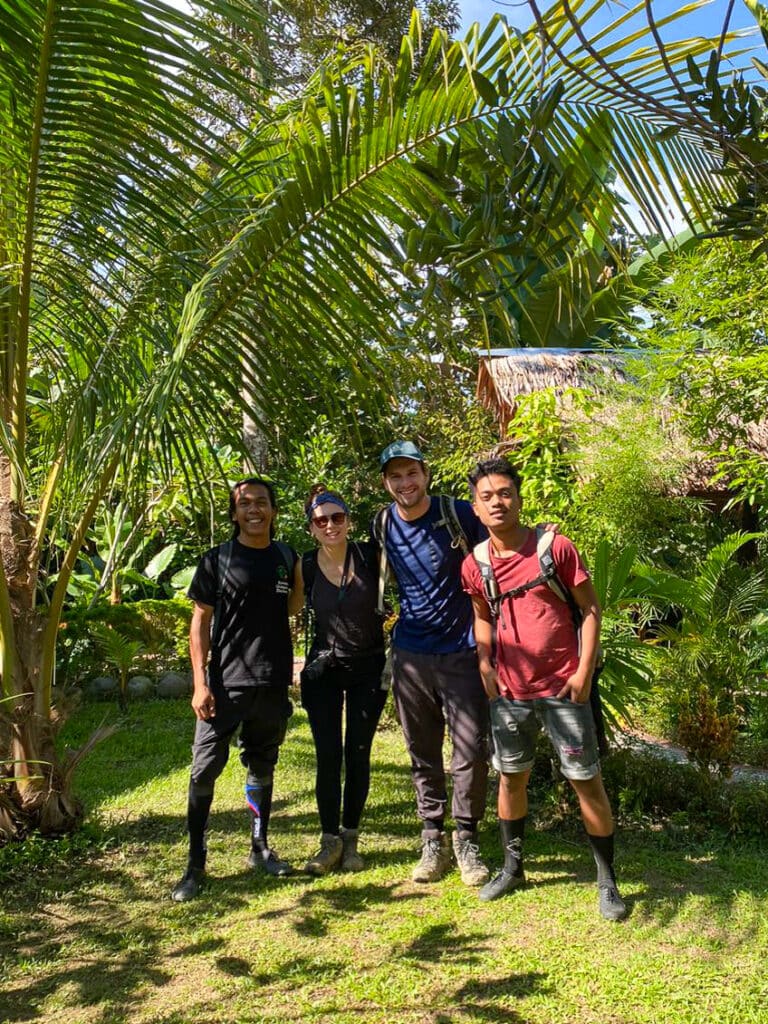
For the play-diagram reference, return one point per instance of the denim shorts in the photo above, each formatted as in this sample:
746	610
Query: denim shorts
570	727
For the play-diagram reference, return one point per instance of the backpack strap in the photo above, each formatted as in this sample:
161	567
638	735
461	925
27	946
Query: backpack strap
482	556
288	556
308	570
547	567
379	530
223	559
449	518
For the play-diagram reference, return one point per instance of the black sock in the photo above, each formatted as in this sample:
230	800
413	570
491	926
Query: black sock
512	831
259	798
602	851
466	825
198	807
433	824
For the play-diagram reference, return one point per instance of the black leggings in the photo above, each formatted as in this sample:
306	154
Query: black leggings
325	700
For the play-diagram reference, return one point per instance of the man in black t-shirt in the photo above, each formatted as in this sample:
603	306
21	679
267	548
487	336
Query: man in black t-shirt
242	663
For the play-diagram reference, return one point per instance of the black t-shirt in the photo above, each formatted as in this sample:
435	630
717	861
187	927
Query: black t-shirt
349	622
252	641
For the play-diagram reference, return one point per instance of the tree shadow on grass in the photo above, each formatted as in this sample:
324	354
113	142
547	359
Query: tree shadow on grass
298	967
440	941
89	952
484	1000
316	909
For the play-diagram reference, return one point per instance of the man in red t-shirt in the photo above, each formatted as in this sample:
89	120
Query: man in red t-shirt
537	671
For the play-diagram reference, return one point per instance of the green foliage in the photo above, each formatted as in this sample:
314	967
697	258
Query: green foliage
630	466
455	431
297	36
154	633
325	455
540	445
438	412
717	646
647	785
39	855
119	653
710	324
626	676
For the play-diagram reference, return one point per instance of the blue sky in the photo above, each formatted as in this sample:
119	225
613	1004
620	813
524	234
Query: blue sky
706	21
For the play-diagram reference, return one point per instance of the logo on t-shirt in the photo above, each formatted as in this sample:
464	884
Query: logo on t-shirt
283	586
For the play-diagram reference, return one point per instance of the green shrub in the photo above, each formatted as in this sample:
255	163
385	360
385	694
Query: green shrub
161	626
643	785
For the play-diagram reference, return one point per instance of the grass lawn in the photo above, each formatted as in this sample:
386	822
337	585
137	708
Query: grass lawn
88	932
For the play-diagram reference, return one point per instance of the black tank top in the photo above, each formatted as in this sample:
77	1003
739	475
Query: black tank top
351	627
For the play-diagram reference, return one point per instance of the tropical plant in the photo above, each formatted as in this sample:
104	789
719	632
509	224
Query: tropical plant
631	458
711	656
541	443
154	280
120	653
728	112
627	675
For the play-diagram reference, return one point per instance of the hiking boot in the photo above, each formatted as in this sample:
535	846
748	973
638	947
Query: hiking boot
350	858
327	857
189	885
612	906
502	883
435	857
467	853
268	862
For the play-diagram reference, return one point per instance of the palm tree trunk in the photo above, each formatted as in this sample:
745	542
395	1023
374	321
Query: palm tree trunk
36	796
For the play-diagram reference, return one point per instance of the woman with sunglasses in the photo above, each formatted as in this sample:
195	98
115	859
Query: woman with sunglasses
341	679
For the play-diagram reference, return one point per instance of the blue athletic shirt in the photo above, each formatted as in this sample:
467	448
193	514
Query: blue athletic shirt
435	613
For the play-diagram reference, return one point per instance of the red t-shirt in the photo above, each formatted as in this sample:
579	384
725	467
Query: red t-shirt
536	640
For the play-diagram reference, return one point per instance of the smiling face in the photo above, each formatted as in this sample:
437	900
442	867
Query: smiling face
497	503
323	528
253	514
407	481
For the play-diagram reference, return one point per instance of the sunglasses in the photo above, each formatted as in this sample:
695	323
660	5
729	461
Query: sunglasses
337	518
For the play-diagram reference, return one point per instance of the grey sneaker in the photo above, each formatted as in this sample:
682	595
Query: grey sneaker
268	862
327	857
500	884
435	857
612	906
467	853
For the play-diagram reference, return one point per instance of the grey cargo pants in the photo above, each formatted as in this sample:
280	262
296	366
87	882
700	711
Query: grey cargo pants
432	692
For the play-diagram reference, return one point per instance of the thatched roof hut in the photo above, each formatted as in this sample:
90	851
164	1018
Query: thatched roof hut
506	374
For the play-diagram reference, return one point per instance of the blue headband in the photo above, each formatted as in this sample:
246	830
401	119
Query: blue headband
326	499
